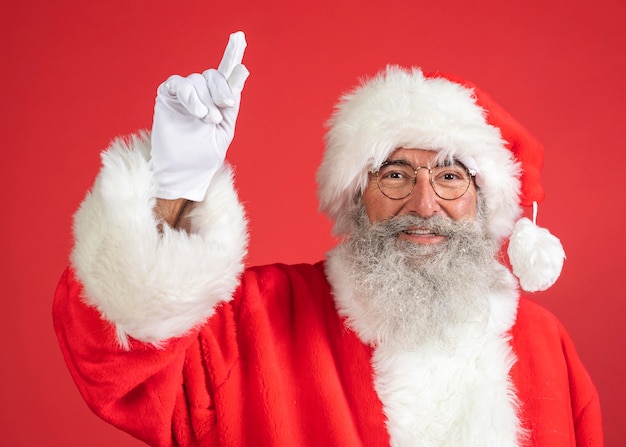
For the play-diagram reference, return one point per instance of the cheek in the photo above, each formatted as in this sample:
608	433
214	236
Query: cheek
375	207
463	208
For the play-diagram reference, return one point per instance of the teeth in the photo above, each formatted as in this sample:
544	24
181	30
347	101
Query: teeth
418	232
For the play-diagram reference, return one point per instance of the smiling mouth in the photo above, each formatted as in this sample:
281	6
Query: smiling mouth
419	232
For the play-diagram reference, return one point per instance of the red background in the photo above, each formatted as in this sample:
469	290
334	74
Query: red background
77	73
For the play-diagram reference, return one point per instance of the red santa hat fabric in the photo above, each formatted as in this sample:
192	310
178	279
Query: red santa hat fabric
402	107
526	149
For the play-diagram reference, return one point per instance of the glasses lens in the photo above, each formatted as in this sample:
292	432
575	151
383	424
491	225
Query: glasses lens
396	180
450	182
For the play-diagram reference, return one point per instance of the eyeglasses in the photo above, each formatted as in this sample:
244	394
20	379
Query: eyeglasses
397	178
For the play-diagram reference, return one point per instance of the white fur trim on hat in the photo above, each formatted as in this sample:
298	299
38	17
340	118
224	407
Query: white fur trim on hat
154	286
403	108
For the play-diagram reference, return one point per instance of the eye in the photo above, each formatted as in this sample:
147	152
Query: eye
395	172
392	174
450	175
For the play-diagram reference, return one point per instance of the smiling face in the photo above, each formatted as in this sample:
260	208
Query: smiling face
422	202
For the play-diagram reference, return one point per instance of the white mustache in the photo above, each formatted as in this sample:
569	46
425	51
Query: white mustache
439	225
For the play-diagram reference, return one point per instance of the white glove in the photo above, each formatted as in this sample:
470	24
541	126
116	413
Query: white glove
194	122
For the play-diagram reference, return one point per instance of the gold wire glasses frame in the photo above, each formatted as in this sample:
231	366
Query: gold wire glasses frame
396	179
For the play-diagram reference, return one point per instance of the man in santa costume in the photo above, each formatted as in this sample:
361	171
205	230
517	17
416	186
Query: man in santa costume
410	333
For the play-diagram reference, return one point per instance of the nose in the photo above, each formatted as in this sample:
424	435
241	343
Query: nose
423	201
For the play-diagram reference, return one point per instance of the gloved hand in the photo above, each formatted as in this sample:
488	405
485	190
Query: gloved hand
194	122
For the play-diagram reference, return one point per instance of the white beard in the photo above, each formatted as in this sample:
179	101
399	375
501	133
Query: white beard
410	294
438	318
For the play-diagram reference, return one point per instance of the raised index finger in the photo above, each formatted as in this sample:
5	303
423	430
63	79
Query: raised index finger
233	55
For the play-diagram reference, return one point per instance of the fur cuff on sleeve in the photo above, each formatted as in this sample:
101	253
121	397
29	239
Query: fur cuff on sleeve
154	286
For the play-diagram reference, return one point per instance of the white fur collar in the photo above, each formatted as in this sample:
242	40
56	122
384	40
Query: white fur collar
457	395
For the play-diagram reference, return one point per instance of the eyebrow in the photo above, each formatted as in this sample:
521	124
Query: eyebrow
441	163
399	161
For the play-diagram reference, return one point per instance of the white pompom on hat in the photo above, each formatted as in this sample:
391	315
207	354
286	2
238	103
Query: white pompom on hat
405	108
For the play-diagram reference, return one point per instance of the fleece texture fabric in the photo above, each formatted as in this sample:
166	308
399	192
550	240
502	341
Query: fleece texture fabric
169	338
278	366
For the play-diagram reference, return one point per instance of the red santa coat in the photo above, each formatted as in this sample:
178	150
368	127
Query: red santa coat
278	366
167	339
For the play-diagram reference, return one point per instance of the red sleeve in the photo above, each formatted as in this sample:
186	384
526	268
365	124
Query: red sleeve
140	390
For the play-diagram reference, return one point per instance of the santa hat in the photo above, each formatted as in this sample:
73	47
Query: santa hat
406	108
